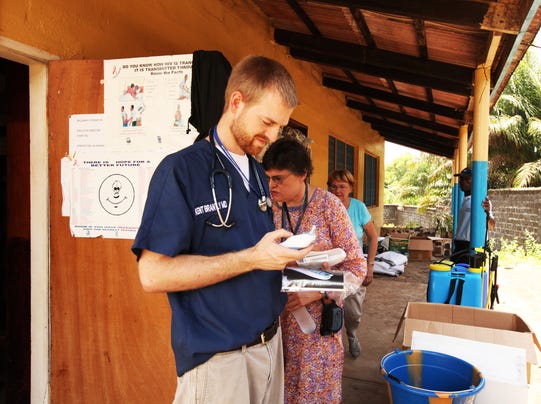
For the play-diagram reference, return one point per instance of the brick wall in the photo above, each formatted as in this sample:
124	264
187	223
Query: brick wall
401	216
516	210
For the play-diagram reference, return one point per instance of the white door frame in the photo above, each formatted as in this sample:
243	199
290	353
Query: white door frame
37	60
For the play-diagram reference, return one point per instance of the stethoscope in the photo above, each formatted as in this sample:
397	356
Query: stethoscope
263	200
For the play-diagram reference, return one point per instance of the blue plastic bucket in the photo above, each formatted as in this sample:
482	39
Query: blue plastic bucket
426	377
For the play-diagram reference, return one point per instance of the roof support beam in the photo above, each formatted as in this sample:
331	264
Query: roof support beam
410	102
416	144
392	73
503	16
386	113
406	131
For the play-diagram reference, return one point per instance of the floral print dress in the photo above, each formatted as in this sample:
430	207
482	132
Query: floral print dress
314	363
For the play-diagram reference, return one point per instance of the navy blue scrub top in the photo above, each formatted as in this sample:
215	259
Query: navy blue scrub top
229	314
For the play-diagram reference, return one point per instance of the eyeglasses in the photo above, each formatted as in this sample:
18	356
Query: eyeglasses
340	187
278	179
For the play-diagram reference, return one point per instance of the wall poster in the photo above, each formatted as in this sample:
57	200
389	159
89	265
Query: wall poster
112	156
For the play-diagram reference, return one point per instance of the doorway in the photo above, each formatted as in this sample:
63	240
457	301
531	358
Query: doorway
15	231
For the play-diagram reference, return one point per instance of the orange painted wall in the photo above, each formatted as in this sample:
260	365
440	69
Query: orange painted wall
106	30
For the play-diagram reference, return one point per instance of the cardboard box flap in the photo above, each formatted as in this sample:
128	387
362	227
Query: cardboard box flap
469	322
450	313
502	337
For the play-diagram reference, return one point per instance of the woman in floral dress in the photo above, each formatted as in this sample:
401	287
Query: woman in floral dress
313	363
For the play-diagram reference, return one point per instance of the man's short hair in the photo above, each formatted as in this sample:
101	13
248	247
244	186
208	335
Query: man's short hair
254	75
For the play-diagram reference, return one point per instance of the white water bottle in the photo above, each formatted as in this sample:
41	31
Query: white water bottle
305	320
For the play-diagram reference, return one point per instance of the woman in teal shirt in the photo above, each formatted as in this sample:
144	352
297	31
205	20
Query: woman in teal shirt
341	184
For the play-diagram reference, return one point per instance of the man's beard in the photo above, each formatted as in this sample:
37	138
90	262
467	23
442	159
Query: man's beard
244	139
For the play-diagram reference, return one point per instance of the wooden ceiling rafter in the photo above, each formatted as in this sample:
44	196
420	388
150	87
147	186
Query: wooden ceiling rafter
424	135
400	116
414	143
443	110
423	54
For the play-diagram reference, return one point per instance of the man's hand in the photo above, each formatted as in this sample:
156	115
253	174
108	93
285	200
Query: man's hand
161	273
487	206
268	254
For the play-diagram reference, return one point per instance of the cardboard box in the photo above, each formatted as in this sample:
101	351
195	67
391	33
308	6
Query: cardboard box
420	249
473	323
419	255
421	244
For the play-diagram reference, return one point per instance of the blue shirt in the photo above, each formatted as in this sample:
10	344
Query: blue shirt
228	314
359	215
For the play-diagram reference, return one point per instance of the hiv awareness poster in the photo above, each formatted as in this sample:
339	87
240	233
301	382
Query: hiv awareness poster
112	156
147	102
107	194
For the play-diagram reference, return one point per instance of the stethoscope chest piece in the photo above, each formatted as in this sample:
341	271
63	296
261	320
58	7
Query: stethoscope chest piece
264	203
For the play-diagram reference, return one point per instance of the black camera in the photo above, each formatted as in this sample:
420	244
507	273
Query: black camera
332	318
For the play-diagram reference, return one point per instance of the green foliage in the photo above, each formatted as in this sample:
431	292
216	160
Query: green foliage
509	251
423	181
531	247
412	225
512	251
444	223
515	129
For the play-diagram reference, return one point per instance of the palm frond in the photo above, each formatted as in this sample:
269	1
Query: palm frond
534	130
510	129
528	175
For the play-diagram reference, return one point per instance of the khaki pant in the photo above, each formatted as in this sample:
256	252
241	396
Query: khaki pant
353	309
249	375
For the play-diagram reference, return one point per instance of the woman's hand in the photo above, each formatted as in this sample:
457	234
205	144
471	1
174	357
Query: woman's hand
296	300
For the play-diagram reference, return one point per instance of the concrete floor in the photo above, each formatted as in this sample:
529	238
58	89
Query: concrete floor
384	305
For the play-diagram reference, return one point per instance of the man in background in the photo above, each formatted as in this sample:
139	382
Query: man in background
462	234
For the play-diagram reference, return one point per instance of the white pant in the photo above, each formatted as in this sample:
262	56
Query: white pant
248	375
353	310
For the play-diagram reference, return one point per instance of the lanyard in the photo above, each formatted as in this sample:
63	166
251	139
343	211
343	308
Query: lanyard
285	212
